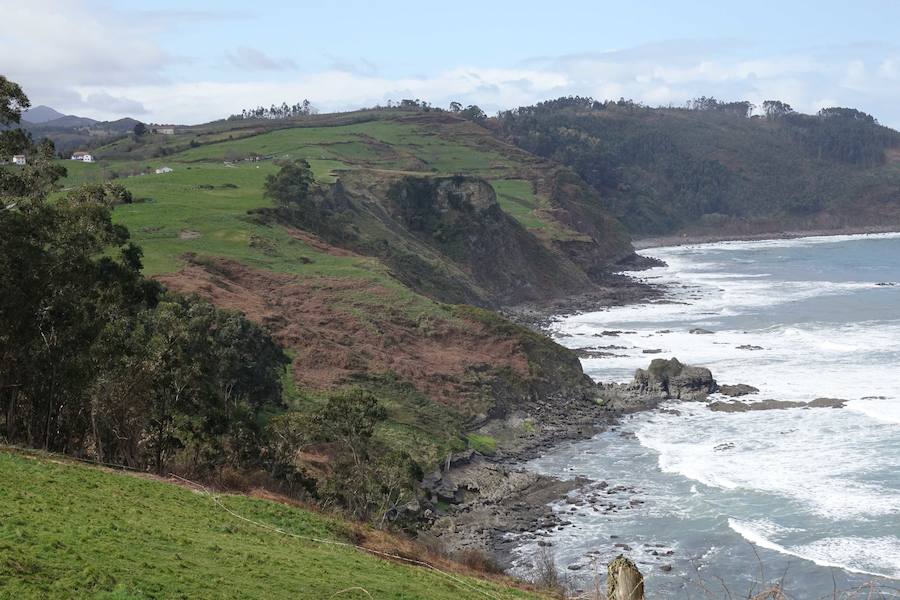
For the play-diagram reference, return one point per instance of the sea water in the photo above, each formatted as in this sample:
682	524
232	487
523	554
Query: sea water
709	501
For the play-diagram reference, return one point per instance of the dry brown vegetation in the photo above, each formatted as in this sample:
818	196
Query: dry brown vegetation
335	339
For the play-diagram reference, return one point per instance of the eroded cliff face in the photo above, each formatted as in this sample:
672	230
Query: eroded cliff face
447	237
459	219
602	245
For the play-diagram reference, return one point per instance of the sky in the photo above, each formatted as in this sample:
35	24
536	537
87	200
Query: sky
187	62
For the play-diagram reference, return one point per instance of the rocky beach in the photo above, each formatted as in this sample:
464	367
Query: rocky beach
493	503
645	460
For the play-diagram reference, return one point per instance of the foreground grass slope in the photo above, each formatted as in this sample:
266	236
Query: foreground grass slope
73	531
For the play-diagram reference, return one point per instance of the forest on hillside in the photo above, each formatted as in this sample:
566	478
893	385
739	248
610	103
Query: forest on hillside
714	164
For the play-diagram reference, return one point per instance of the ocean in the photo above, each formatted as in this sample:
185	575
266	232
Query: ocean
706	501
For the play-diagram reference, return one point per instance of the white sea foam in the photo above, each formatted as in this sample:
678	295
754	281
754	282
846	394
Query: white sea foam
791	363
879	556
776	243
871	556
885	410
831	473
701	292
710	286
799	360
809	456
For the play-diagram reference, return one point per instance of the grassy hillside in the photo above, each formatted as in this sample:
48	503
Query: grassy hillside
71	531
665	170
421	144
376	306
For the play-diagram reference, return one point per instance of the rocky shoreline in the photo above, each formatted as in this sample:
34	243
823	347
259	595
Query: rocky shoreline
484	502
616	290
492	504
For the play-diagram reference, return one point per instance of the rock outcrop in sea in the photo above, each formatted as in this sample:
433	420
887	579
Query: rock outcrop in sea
662	380
741	389
675	380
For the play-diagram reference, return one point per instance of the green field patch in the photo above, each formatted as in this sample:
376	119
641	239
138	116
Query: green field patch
295	142
483	444
358	151
80	173
517	199
70	531
326	170
442	152
202	209
387	143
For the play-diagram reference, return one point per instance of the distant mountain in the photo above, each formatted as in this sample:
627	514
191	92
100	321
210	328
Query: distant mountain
71	132
67	122
121	125
43	119
41	114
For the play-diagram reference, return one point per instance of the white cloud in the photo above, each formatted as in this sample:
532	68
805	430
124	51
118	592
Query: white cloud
65	43
107	104
890	68
116	65
802	81
864	75
337	90
251	59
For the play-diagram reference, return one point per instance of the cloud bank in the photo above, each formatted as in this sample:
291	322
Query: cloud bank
117	66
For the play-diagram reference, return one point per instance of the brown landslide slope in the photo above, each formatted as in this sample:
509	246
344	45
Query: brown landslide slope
454	363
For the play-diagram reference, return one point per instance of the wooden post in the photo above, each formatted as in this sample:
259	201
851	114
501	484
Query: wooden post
623	580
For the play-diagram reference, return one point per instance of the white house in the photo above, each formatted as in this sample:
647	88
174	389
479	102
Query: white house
82	156
19	159
162	170
166	129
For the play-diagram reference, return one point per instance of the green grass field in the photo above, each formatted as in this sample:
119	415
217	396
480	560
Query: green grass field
386	143
79	173
517	199
72	531
201	207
